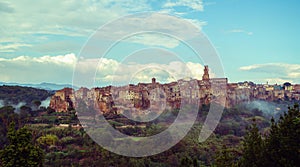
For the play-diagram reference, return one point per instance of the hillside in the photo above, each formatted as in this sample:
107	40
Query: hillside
13	95
44	85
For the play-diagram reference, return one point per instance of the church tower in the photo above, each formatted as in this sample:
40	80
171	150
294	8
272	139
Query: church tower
153	81
205	76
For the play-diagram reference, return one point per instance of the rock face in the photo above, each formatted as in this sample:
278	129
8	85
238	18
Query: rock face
62	100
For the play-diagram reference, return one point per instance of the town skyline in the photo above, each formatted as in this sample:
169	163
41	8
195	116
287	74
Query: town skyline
55	86
117	99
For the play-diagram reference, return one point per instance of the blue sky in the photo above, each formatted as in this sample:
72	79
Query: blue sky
256	40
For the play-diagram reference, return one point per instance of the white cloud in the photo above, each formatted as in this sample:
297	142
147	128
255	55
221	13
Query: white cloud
26	21
68	59
5	8
59	69
280	72
154	40
192	4
25	69
31	25
108	71
197	23
12	47
67	16
151	29
248	68
8	40
240	31
56	46
276	80
23	19
134	73
197	70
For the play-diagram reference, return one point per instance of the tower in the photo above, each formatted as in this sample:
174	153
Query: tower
205	76
153	81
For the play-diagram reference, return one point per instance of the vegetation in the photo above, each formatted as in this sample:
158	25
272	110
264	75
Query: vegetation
281	147
16	94
43	137
20	151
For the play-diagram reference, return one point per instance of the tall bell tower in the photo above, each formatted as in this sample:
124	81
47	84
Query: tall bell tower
205	76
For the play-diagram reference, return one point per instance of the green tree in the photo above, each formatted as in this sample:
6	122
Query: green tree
226	157
47	140
185	161
20	151
37	103
7	115
283	143
280	148
252	148
25	113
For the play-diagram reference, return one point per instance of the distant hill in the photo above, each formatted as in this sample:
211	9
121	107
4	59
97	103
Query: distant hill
44	85
13	95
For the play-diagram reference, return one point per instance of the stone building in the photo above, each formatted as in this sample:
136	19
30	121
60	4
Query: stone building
153	96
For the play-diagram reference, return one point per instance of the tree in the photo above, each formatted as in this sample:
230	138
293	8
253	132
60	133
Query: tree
7	115
50	110
186	162
20	151
37	103
47	140
226	157
252	148
280	148
25	112
283	143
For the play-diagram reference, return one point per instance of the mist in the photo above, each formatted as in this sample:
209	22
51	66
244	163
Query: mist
18	106
1	103
269	109
46	102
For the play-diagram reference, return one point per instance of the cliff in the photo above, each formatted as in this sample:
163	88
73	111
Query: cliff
62	100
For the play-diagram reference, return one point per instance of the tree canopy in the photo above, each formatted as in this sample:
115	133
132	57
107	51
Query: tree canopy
20	151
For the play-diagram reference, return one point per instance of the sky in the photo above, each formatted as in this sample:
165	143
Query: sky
45	41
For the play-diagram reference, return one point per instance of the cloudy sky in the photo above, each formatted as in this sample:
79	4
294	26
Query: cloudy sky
43	41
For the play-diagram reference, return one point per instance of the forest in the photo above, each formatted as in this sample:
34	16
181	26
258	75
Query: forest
14	95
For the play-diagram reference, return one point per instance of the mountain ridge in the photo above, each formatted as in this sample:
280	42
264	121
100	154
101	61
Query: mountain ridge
43	85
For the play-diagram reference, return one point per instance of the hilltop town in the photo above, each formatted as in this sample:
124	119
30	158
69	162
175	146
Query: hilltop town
155	96
65	129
